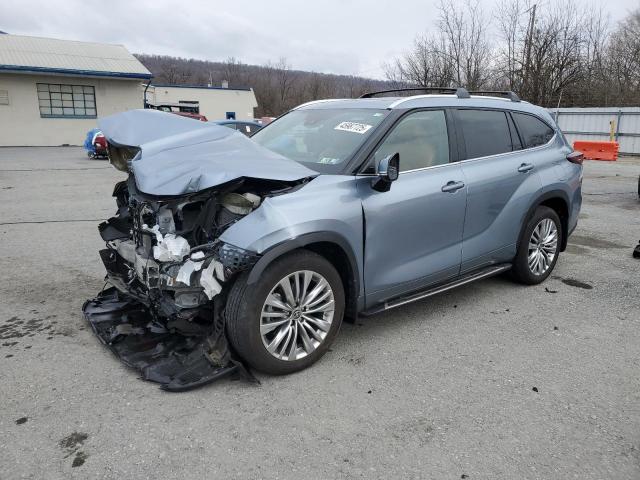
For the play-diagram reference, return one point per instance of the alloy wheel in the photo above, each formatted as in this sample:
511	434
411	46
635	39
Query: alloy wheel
297	315
543	246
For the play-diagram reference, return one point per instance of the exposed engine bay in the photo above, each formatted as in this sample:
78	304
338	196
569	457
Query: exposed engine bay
169	272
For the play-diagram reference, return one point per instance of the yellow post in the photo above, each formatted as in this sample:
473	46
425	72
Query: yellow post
612	130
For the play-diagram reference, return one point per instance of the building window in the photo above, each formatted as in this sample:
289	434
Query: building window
60	101
4	97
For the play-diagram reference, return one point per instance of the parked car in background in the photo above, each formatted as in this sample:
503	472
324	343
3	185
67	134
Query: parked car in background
195	116
184	109
95	144
338	208
248	128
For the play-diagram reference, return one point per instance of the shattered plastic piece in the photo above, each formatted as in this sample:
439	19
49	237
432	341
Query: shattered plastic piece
219	271
197	255
170	247
185	272
190	266
208	282
165	221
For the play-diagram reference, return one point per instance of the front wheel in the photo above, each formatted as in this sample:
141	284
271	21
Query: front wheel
539	247
286	320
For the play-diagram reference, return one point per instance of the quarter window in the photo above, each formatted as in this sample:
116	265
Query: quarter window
421	140
534	132
486	132
56	100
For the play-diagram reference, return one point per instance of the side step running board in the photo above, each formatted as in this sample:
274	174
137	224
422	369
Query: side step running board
471	277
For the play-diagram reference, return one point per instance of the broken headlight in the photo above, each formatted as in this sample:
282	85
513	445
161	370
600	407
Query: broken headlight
119	156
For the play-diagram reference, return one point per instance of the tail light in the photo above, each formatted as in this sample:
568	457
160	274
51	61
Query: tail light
576	157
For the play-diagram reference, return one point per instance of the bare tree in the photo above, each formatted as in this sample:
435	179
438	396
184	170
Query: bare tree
458	54
173	73
234	72
464	42
623	55
284	83
425	65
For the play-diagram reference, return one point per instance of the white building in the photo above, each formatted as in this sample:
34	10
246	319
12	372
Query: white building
216	103
52	91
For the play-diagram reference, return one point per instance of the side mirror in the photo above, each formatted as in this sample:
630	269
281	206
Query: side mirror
388	170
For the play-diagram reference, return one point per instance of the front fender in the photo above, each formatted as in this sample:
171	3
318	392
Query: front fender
327	209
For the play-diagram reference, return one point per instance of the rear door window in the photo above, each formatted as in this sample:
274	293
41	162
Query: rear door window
534	132
486	132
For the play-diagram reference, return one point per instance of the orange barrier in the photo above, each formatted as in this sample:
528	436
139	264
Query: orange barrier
597	150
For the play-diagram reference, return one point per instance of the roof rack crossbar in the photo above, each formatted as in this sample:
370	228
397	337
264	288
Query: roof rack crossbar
506	93
459	91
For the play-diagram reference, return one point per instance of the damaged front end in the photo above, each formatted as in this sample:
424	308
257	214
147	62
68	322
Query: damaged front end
168	271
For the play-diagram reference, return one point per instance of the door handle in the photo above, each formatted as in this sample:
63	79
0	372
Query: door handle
452	186
525	167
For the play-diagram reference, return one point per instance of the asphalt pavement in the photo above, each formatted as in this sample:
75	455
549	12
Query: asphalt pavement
491	381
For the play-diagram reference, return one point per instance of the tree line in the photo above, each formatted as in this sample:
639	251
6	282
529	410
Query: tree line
549	54
277	86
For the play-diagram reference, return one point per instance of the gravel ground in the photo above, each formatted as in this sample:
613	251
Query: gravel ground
493	380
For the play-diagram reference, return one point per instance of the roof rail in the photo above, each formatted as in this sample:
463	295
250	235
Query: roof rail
459	91
507	93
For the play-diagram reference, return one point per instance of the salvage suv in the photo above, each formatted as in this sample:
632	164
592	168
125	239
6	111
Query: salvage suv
230	252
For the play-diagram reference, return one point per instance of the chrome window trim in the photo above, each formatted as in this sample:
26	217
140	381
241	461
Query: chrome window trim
428	168
411	171
539	147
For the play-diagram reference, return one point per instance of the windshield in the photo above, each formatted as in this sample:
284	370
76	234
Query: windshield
321	139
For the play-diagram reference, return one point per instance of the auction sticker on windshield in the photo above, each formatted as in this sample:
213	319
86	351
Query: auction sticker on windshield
353	127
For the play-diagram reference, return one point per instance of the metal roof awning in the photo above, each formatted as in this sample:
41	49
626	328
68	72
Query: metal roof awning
22	54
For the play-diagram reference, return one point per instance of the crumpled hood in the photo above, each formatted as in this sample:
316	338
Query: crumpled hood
180	155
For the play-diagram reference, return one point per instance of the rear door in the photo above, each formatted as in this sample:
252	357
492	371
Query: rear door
413	232
551	163
501	183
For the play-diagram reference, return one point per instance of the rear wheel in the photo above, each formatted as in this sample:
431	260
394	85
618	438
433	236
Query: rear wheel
539	247
286	320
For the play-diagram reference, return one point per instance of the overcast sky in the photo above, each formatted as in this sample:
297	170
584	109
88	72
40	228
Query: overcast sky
333	36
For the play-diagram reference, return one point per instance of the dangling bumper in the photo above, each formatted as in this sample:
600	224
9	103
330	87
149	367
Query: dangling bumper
177	362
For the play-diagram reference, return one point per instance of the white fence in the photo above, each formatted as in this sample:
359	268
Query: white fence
594	124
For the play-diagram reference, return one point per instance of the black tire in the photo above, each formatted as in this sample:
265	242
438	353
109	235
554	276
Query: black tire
520	270
244	307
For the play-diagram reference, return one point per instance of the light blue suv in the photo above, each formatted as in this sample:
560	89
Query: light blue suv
234	251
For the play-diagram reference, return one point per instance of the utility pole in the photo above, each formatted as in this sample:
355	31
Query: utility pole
527	49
